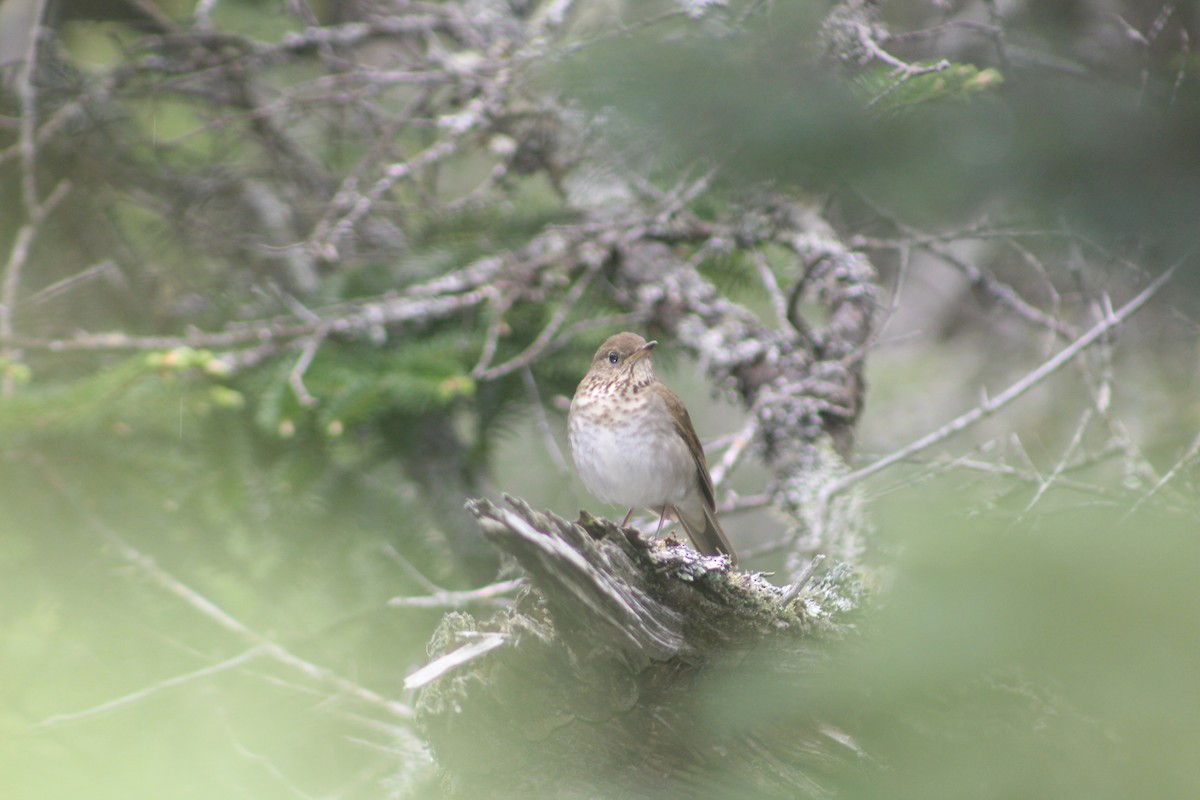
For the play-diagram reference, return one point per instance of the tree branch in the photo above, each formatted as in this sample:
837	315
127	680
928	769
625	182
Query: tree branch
587	683
167	582
991	406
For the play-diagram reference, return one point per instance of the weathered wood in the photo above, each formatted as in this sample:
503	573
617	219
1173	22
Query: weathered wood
615	672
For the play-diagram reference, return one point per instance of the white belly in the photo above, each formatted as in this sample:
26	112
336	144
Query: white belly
640	462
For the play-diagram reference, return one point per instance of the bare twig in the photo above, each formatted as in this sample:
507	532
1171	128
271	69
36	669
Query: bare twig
939	30
737	504
779	302
411	570
448	599
1187	458
35	209
991	406
903	73
210	610
348	208
444	598
802	580
1063	460
107	267
538	346
296	376
543	424
482	645
611	322
498	306
979	277
1009	471
733	453
142	694
353	318
328	234
1003	293
265	763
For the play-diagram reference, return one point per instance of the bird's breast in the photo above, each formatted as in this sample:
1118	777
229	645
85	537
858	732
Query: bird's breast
627	450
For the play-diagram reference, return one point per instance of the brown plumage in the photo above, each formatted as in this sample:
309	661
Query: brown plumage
634	444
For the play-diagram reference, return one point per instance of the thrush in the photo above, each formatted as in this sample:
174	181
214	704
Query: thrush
634	445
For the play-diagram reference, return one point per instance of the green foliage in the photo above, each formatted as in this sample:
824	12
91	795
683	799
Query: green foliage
287	537
892	92
143	395
354	384
1046	658
417	377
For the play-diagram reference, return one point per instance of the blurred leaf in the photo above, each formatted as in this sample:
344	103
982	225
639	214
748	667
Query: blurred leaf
888	91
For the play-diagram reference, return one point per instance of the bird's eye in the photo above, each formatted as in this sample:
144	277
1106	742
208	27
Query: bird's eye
613	357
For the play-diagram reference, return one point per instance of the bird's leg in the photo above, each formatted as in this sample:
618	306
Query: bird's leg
625	521
662	516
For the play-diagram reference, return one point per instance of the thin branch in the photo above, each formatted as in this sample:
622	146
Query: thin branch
802	580
779	302
498	306
1063	460
107	267
359	317
35	209
610	322
18	256
444	598
267	765
142	694
1004	294
734	452
328	233
943	464
457	599
207	608
941	29
904	254
741	503
1009	471
1014	441
682	195
411	569
478	274
781	545
296	376
455	658
1192	451
904	73
936	244
989	407
535	350
542	422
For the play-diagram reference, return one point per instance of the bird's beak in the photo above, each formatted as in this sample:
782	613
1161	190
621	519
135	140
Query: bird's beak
641	352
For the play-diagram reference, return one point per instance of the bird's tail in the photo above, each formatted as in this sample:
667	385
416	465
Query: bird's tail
709	538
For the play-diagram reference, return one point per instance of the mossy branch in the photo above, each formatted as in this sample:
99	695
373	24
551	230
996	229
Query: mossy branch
617	634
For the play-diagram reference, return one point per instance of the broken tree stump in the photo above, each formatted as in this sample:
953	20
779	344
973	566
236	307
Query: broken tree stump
632	668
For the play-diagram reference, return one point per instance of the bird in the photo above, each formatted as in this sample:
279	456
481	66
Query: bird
633	444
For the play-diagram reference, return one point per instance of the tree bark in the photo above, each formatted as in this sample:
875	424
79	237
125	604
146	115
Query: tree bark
624	670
